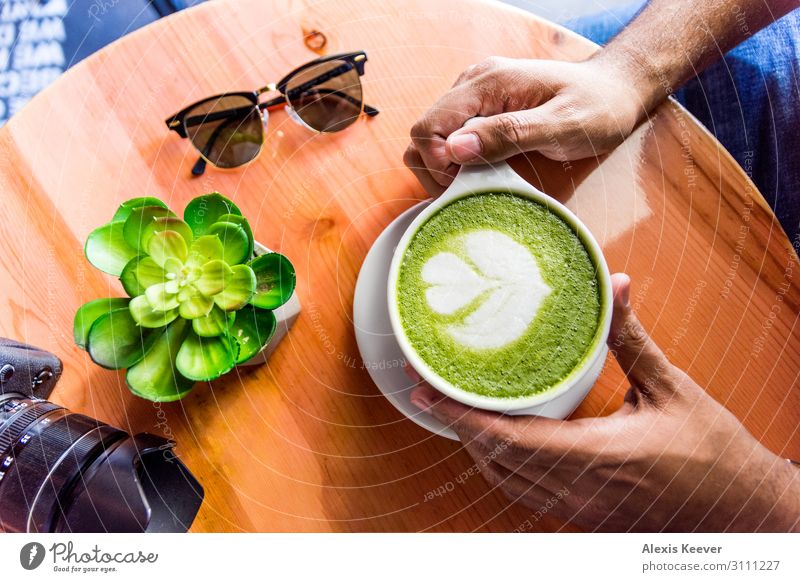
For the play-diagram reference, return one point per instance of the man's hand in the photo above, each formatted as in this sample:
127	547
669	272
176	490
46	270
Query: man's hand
569	111
563	110
671	459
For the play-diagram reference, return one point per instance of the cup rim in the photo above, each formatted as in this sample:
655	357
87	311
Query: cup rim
598	347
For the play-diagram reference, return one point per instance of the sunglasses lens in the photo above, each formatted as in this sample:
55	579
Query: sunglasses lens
226	130
326	96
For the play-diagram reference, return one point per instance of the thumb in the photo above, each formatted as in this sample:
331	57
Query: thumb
472	423
645	365
491	139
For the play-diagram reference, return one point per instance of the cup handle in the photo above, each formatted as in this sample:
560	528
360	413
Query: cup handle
497	176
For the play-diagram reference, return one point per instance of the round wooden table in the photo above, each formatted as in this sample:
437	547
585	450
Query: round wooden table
307	443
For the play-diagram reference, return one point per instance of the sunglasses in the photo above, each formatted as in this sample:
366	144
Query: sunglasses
324	95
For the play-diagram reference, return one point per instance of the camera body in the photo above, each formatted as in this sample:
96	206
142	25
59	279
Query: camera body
27	370
66	472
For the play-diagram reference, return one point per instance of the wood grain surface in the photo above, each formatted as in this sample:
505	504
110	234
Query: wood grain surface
307	443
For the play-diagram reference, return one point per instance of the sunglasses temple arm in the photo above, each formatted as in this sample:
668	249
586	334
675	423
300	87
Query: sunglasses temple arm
200	166
272	103
216	116
368	109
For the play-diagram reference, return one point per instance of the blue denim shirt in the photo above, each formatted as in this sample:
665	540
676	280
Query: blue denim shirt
750	101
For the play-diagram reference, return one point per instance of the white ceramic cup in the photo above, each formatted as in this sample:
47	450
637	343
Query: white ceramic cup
560	400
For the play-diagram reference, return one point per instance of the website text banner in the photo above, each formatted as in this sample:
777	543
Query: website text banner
355	557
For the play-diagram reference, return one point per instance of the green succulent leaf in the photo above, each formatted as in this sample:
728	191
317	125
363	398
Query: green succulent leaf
195	305
149	273
275	280
139	220
245	224
124	210
90	312
213	324
144	314
173	265
205	358
167	244
107	250
234	239
204	249
239	289
161	298
163	223
214	277
187	292
128	277
194	270
116	342
155	377
204	211
252	329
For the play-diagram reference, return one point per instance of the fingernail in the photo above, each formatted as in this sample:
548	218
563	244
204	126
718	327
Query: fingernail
412	373
420	400
625	295
464	146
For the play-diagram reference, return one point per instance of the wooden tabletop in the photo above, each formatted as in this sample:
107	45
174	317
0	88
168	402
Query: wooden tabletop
307	443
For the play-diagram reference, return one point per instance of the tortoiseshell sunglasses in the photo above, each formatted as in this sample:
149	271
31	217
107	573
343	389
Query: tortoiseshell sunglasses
324	95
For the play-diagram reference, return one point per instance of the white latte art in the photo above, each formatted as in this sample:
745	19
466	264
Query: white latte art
503	271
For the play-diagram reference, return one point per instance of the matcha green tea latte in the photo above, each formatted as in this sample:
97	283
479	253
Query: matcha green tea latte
499	296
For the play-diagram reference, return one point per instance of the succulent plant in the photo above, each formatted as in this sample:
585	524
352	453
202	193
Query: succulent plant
200	302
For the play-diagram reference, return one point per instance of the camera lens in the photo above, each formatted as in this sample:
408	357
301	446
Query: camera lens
66	472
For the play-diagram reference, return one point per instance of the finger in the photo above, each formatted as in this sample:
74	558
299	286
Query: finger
414	163
501	136
486	461
650	372
631	400
478	69
630	403
430	133
470	423
435	160
517	488
518	439
541	475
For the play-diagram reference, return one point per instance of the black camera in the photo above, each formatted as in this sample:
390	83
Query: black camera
66	472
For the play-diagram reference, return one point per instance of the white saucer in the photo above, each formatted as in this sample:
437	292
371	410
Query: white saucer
379	350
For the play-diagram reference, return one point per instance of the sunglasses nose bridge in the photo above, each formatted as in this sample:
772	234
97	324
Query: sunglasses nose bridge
268	88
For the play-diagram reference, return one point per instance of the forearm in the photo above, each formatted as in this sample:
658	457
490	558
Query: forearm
672	40
775	506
